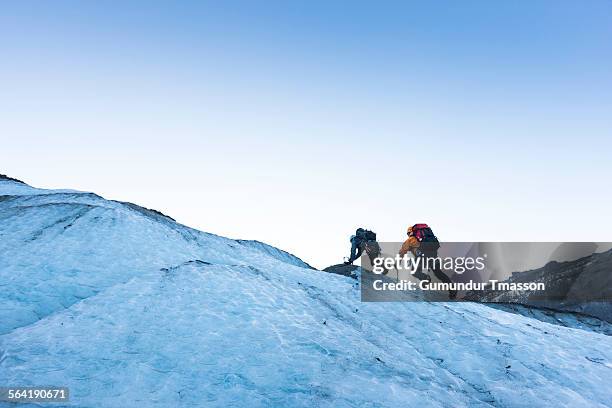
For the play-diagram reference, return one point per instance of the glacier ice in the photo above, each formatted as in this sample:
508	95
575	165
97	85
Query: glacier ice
128	308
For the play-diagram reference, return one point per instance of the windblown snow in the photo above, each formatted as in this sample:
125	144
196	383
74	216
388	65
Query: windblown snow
128	308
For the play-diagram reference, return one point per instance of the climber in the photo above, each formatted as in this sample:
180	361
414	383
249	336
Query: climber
422	242
364	240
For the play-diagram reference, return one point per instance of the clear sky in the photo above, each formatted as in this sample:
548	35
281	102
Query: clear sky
296	122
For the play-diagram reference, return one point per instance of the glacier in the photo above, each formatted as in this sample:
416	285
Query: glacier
129	308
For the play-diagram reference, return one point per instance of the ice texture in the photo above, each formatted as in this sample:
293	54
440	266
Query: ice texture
128	308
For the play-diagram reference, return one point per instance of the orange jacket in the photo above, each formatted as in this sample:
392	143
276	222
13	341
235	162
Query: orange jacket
411	244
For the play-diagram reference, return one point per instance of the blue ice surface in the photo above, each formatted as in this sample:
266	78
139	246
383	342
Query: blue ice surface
129	308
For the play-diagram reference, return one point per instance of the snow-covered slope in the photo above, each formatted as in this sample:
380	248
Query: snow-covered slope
275	252
128	309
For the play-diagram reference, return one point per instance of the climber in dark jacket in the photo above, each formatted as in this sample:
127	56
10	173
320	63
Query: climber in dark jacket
364	240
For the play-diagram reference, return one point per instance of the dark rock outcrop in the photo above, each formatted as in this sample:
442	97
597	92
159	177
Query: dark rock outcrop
581	286
343	269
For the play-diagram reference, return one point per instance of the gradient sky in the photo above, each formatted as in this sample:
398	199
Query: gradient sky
296	122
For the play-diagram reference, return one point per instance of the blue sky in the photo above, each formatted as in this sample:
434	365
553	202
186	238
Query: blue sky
296	122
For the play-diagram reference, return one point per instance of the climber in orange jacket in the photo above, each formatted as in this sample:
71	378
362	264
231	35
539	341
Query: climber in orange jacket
422	242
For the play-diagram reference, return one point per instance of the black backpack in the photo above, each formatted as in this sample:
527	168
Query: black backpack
368	235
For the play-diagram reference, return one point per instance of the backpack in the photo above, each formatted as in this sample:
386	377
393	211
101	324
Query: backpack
426	237
370	235
366	235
